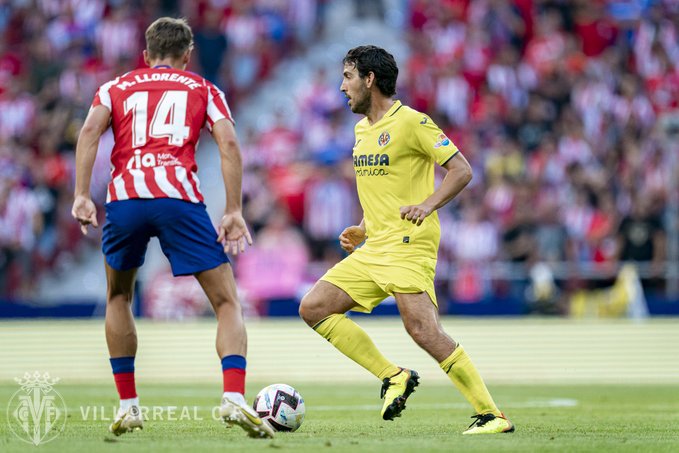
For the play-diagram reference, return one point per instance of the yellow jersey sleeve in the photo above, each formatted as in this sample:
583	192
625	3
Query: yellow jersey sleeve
431	141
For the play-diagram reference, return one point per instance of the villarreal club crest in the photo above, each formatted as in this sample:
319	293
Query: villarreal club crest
383	139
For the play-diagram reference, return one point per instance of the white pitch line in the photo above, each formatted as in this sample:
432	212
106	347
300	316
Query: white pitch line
539	404
531	404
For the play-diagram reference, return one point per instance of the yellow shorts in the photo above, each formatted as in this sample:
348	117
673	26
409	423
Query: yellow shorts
368	278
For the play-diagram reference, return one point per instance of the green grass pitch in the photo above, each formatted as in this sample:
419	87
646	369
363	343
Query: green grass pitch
568	385
346	418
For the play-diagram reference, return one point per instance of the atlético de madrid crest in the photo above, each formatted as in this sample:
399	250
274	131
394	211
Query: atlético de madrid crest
383	138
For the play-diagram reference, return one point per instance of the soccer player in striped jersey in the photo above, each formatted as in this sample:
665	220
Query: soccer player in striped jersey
156	115
394	156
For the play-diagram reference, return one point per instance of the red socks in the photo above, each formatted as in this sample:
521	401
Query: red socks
123	374
233	372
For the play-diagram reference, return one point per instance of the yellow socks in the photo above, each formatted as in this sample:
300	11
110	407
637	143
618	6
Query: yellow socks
460	369
353	342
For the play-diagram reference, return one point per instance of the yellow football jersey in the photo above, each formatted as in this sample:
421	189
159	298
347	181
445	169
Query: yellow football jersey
394	164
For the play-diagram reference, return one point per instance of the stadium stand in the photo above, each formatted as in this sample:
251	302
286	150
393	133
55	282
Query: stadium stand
566	111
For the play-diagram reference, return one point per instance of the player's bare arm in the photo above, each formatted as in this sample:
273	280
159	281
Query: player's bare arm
352	237
96	123
233	232
458	175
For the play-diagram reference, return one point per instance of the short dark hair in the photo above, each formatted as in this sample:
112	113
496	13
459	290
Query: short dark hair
168	37
378	61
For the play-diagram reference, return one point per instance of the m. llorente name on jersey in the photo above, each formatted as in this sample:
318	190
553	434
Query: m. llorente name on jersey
160	77
372	161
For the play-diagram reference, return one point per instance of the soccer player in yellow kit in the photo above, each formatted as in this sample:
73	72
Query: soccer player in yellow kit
394	155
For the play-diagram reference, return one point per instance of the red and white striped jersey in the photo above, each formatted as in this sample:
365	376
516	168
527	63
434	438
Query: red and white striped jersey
156	117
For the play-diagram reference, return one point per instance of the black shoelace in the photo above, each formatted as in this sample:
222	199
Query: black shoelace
481	419
386	382
385	386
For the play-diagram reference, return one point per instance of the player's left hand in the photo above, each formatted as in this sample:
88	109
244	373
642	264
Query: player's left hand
416	213
233	233
85	212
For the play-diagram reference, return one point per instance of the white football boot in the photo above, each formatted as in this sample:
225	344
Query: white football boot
127	421
244	416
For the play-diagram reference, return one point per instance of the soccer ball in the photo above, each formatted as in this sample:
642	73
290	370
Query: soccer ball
281	406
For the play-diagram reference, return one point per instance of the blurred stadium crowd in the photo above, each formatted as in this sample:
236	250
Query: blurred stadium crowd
563	108
53	56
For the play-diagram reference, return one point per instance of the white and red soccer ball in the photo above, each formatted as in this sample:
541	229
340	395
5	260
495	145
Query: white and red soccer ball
281	406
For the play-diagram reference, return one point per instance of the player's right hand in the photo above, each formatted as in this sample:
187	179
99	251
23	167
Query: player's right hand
85	212
352	237
233	233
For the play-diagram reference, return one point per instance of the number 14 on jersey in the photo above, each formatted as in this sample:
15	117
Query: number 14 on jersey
169	118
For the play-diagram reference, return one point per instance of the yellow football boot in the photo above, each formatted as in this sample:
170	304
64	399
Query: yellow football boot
490	424
396	390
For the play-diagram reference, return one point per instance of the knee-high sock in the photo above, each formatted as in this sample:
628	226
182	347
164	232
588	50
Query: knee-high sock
460	369
354	342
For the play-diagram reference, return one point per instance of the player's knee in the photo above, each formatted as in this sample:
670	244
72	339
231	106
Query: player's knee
225	300
308	310
305	312
419	331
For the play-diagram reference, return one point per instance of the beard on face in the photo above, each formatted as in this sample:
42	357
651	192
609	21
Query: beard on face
362	102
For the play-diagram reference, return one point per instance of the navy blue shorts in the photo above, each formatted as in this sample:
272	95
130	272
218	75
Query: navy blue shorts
184	229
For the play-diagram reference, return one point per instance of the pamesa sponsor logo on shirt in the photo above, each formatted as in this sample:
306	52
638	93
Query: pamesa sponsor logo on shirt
371	164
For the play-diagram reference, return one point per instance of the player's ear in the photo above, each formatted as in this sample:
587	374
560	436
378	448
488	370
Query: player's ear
187	56
369	79
146	58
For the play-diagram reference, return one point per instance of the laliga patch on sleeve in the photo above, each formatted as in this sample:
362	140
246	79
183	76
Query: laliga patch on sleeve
442	140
